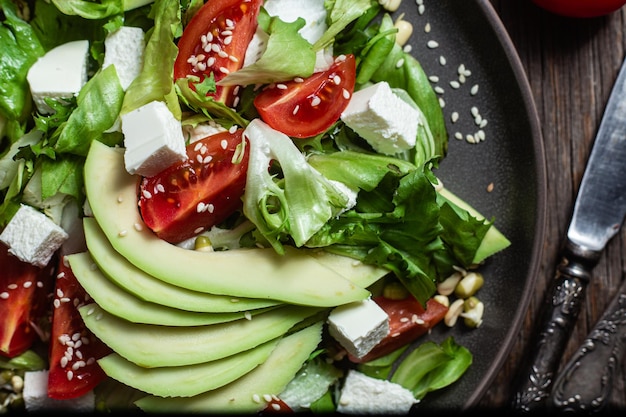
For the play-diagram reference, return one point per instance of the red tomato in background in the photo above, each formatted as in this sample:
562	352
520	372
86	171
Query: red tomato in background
215	42
24	290
191	196
408	320
580	8
306	108
73	348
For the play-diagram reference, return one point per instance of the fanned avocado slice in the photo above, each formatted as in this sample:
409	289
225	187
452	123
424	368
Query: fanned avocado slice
152	345
118	302
247	394
152	289
189	380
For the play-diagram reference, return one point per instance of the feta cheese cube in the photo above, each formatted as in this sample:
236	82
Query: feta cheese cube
59	74
124	48
36	396
32	236
358	326
384	120
153	139
362	394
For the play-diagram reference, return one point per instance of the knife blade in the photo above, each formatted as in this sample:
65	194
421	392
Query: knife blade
597	216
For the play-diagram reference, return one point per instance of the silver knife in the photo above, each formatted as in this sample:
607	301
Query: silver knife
598	214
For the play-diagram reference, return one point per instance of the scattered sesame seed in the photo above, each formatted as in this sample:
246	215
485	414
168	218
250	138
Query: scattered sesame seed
122	233
4	295
474	89
432	44
138	227
427	28
315	101
442	103
442	60
455	84
400	63
281	86
490	187
224	143
256	398
433	79
247	315
454	117
458	135
439	90
295	109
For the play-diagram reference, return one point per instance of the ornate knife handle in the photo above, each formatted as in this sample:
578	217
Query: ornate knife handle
586	381
559	315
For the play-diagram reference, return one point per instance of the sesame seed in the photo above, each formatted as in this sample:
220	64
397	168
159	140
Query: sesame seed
474	90
427	28
458	136
432	44
295	109
267	397
454	117
281	86
396	334
28	284
421	9
340	58
63	361
198	230
56	303
400	63
439	90
160	188
433	79
70	375
337	80
210	208
224	143
299	79
455	84
60	293
224	70
256	398
61	275
276	406
490	187
200	207
233	58
120	199
222	54
442	103
230	23
4	295
211	61
122	233
442	60
474	111
228	40
146	194
207	159
483	123
138	227
346	94
197	147
315	101
12	286
407	48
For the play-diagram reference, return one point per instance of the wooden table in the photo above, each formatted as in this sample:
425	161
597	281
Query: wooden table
571	65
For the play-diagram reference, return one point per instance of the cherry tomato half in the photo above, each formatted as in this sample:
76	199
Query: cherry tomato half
24	290
215	42
581	8
306	108
191	196
74	349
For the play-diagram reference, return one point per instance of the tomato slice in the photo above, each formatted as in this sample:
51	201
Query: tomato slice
305	108
73	350
408	320
215	42
191	196
24	290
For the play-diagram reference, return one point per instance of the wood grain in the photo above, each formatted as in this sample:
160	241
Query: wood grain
571	65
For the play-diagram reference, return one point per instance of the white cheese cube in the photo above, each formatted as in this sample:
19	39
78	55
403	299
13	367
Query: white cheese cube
358	326
153	138
384	120
59	74
36	396
362	394
32	237
124	48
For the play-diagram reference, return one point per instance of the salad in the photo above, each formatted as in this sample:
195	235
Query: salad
242	187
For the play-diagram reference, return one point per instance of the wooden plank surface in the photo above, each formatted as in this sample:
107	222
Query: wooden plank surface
571	65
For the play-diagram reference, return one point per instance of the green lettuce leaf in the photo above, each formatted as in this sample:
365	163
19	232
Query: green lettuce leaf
286	56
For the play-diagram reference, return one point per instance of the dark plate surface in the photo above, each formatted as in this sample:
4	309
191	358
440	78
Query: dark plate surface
510	157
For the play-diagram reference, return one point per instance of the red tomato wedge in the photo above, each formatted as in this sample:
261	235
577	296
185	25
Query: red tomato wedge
276	405
73	348
24	290
408	320
191	196
215	42
306	108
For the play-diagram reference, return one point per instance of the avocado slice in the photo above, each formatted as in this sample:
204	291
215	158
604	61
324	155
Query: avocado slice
246	394
256	273
118	302
493	241
152	345
188	380
148	288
